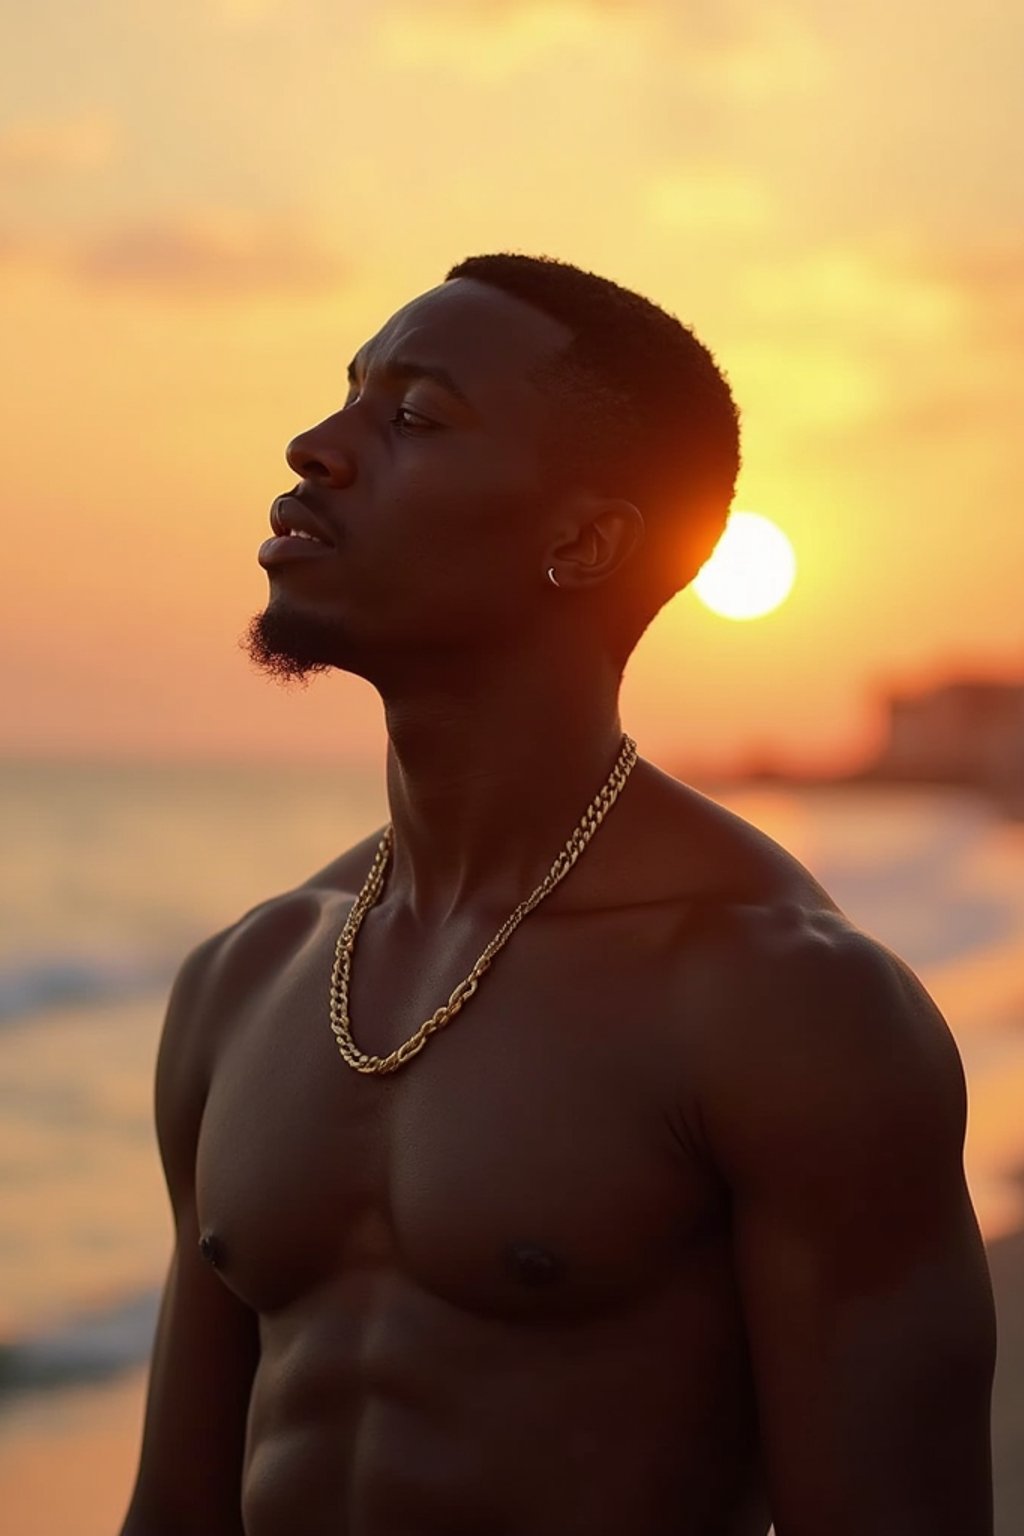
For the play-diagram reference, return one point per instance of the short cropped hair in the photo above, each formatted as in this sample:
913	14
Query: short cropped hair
645	413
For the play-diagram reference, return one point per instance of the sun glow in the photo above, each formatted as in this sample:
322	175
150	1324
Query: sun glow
751	571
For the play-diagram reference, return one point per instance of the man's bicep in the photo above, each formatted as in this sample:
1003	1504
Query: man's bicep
859	1262
873	1404
203	1363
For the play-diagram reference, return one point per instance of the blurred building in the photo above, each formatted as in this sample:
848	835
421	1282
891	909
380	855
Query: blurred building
966	732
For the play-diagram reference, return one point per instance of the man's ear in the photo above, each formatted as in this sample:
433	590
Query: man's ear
597	536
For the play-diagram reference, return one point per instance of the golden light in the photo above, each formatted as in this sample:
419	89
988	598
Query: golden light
751	571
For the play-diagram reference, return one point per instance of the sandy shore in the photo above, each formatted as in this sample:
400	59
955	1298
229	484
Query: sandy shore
67	1461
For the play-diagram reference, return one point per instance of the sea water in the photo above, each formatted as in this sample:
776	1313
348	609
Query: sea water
113	872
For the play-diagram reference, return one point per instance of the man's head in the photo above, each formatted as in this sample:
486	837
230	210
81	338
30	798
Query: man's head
524	415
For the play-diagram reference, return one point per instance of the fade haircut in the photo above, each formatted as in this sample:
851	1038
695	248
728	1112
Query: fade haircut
643	412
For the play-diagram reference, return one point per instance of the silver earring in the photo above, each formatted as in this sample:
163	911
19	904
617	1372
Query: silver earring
551	576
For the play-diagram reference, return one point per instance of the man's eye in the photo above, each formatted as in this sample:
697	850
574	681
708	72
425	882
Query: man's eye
411	421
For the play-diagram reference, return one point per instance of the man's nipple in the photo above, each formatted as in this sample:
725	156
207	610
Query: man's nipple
210	1248
532	1265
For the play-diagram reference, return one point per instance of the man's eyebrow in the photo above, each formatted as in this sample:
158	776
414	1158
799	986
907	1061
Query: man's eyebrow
407	369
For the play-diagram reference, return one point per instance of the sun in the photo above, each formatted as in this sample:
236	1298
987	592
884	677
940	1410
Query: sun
751	571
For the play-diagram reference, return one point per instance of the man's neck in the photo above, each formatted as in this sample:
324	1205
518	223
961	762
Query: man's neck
488	776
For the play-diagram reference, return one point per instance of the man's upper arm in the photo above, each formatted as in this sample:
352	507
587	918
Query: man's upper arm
836	1112
207	1344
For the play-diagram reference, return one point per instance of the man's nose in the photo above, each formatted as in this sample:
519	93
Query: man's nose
317	455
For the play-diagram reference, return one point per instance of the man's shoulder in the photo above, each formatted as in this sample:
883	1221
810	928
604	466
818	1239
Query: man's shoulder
795	957
258	941
808	1028
678	844
772	974
778	964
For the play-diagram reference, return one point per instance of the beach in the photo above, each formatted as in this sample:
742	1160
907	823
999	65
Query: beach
118	870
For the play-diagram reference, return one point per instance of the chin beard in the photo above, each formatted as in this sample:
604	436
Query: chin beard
291	647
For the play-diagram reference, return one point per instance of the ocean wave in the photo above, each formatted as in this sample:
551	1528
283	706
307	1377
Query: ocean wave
27	986
86	1348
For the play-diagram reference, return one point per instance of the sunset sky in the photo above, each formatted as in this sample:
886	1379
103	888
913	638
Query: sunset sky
206	207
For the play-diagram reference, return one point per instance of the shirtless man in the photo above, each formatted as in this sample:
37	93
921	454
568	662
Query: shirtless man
665	1231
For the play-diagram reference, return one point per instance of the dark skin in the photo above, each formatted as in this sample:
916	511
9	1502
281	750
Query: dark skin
666	1233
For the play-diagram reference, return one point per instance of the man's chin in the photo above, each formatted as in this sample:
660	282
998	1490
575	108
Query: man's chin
291	647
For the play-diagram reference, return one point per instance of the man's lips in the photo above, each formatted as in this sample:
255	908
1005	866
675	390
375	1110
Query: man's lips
289	515
300	534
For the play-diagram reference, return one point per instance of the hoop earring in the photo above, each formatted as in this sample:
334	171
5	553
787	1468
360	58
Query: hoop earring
552	577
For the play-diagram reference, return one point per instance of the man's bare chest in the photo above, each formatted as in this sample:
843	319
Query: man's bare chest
527	1162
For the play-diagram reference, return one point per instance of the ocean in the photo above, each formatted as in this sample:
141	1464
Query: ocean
113	872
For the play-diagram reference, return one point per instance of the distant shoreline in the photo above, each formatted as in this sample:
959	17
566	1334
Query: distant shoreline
1007	800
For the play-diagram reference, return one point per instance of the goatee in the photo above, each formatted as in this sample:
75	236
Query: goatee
289	647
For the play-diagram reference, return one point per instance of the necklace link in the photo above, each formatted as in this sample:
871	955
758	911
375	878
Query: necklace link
374	884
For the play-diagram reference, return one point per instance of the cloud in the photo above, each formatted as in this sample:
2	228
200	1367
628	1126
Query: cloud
246	13
746	49
907	291
221	255
35	146
497	39
218	254
977	381
751	51
716	199
807	385
990	280
488	13
923	339
858	291
21	248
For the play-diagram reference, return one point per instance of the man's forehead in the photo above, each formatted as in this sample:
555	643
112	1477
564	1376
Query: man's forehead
476	330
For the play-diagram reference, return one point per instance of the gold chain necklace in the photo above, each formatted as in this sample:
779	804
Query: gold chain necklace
592	818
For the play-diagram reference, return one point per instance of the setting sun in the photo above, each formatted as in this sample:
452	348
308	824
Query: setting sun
751	571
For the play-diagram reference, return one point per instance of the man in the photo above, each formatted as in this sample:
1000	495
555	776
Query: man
659	1226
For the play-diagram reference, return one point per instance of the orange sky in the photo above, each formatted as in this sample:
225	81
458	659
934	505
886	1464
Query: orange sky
206	207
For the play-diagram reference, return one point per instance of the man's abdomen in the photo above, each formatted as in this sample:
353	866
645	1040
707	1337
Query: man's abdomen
379	1410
